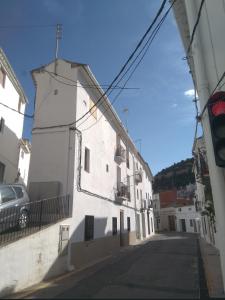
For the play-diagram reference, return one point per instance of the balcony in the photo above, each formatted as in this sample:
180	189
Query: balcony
138	176
120	155
122	193
143	205
150	204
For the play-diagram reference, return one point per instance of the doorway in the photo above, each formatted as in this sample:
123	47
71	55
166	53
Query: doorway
143	225
138	234
171	223
183	225
121	226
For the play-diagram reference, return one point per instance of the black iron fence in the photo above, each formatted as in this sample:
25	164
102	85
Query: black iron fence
17	221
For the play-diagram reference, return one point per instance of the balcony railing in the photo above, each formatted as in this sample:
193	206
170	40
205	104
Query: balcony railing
138	176
123	193
19	221
143	205
150	204
120	155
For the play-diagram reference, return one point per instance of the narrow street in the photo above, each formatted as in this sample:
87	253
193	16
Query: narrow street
167	266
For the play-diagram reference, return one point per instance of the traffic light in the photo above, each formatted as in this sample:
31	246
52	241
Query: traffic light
216	110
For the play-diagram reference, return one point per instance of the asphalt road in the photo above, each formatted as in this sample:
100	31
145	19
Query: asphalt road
167	266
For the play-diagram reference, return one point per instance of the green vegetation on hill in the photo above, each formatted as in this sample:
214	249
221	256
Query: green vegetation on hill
176	176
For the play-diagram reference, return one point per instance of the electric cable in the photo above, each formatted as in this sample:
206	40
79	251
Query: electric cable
54	76
117	76
148	43
195	26
25	115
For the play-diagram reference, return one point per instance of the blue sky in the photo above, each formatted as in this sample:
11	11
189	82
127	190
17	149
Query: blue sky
103	34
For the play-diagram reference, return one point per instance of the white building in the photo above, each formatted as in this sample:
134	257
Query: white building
92	160
156	210
12	101
207	64
24	161
187	219
204	199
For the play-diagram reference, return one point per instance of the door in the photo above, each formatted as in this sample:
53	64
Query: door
183	225
138	234
2	171
149	232
171	220
143	225
121	226
195	227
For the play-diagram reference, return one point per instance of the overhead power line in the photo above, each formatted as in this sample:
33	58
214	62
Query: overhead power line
195	26
94	86
25	115
24	26
147	44
117	76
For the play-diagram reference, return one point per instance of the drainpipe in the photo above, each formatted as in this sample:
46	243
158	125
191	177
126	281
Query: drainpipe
216	173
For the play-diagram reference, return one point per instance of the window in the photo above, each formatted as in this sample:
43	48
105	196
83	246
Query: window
22	154
191	222
128	224
89	228
141	194
136	166
7	194
128	186
93	109
128	161
87	160
2	77
2	171
137	194
114	226
107	168
189	208
179	209
2	125
19	191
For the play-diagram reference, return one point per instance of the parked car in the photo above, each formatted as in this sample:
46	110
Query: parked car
14	206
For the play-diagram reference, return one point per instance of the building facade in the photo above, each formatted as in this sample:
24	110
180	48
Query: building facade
24	161
207	65
204	199
92	159
12	103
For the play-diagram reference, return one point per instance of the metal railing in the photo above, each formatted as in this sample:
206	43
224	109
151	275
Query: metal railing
22	220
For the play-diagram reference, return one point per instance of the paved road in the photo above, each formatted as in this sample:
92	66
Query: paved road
167	266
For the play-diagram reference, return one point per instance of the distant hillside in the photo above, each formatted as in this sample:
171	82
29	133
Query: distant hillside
178	175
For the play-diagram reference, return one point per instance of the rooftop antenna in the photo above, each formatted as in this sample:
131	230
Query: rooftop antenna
58	37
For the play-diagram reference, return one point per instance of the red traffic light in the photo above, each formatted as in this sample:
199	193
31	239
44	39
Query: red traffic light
218	108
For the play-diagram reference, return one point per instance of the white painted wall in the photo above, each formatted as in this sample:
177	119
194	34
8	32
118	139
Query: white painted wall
208	65
58	157
9	138
23	166
30	260
187	213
